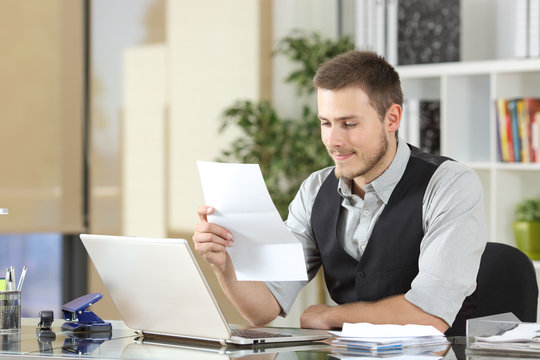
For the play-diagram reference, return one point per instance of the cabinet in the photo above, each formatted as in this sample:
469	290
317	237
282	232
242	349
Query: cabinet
467	91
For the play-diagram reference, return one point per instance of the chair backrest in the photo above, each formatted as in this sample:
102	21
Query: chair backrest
506	282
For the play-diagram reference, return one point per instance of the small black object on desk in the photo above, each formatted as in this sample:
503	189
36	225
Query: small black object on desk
43	330
44	333
82	321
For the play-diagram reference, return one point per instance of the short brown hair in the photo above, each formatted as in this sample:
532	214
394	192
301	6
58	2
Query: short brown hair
365	70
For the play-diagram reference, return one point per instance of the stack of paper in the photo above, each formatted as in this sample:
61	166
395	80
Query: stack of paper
522	337
365	338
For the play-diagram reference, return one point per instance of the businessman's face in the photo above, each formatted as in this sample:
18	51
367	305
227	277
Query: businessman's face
353	133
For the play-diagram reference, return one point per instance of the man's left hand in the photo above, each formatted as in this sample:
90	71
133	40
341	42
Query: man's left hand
317	317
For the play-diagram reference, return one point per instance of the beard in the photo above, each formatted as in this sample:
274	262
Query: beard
369	161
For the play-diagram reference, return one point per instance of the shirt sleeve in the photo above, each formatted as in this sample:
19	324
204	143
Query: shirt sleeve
299	223
455	236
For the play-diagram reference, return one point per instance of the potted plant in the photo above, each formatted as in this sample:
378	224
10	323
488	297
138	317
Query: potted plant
527	227
287	150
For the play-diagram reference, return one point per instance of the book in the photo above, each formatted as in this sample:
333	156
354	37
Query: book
421	124
510	34
532	112
379	26
370	24
535	129
534	28
524	131
502	114
412	121
518	129
392	31
514	128
429	31
361	37
430	126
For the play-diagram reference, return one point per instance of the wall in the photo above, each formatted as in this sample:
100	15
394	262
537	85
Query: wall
41	88
214	60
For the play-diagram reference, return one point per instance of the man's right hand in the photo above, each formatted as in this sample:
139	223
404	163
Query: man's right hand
211	240
252	298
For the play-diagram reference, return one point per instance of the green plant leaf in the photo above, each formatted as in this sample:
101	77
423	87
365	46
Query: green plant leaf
528	210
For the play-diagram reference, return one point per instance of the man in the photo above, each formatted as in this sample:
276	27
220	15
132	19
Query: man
399	232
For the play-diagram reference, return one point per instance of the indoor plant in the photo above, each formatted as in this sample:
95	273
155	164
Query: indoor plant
527	227
287	150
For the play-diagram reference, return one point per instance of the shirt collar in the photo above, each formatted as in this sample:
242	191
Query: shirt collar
384	185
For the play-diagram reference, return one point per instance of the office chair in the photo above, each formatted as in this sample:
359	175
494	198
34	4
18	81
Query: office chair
506	282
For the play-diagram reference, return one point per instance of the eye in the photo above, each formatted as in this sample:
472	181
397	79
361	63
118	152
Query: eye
350	124
325	123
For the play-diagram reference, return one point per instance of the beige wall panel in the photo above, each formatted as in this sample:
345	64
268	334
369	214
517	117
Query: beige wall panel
307	15
41	87
214	60
144	141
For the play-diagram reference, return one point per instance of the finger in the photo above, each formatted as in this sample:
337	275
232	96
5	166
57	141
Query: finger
212	253
209	247
209	237
218	231
203	211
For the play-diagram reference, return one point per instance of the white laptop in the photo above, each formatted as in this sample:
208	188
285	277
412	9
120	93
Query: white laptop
159	289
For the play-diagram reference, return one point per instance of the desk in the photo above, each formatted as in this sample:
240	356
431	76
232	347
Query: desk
125	344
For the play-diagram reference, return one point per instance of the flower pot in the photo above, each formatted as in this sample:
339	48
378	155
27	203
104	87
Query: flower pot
527	234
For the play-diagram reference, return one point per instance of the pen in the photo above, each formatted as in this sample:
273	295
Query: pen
9	281
13	284
21	279
13	278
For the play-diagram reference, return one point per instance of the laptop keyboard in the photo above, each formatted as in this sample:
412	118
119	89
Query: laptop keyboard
256	334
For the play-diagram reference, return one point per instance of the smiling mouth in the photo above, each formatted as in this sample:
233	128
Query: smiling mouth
342	157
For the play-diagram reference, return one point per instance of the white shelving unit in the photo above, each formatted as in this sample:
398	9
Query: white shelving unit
467	91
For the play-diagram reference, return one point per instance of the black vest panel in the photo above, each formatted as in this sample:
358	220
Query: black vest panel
390	260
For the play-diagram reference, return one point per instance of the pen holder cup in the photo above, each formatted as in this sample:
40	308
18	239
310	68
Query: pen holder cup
10	342
10	311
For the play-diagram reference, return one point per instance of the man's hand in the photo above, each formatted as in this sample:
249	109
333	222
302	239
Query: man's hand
252	298
391	310
211	240
317	317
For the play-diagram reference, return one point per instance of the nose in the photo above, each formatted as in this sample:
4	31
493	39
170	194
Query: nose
332	137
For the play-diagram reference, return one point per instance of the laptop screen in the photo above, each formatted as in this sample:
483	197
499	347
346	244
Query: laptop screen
157	286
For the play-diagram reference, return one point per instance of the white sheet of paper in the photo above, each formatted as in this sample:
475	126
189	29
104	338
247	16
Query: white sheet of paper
368	330
264	249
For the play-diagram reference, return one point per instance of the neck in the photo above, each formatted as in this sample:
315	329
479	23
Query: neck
359	183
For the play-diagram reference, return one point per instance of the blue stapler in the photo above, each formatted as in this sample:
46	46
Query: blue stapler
80	319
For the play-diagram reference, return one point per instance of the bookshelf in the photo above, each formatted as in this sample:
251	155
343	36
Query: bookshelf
467	91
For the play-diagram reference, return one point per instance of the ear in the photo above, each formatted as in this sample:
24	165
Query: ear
393	118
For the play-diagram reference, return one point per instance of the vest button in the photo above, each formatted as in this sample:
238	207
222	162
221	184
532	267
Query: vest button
362	275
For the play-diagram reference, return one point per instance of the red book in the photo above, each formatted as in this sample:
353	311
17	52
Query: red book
533	128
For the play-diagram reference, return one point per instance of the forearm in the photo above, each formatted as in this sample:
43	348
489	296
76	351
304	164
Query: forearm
251	298
391	310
